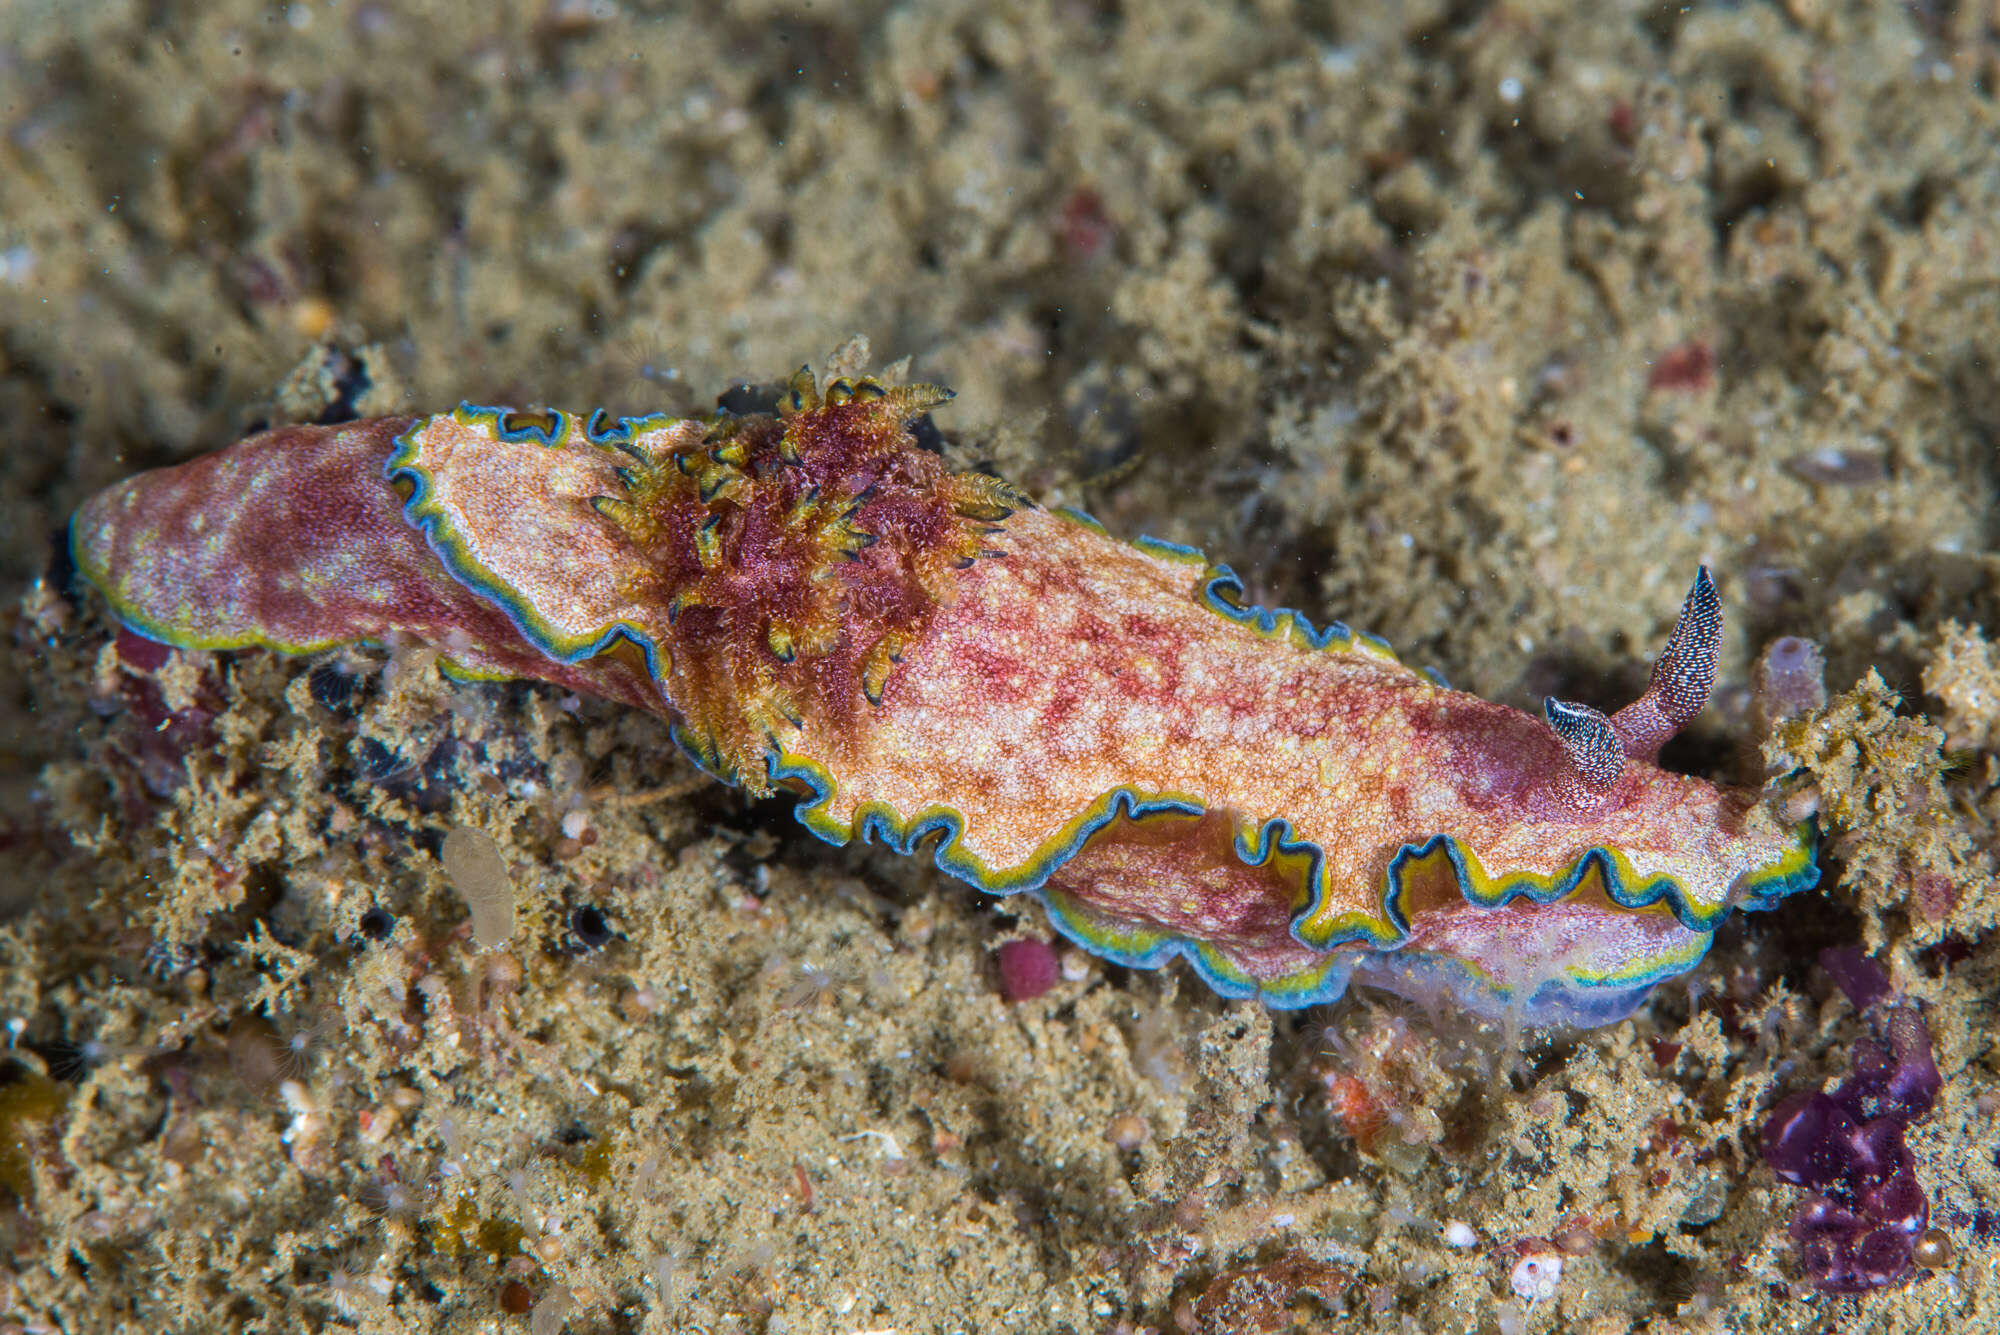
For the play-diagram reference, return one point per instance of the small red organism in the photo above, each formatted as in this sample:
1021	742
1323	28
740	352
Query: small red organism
1027	969
1688	367
805	1187
1359	1112
1623	122
1086	231
1377	1079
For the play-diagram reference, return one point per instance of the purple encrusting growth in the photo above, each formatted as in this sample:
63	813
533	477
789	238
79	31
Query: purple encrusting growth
1867	1209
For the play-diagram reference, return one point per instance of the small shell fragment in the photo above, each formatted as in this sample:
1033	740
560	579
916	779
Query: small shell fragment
1536	1276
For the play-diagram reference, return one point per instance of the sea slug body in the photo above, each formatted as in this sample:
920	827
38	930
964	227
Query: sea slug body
929	660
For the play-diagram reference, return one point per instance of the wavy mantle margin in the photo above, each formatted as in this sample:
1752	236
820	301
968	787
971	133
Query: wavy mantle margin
1354	940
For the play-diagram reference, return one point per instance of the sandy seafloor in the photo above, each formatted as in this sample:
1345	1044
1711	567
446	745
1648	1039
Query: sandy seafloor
1477	325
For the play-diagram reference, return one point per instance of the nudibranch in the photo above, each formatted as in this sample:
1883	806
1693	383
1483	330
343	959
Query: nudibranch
924	657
